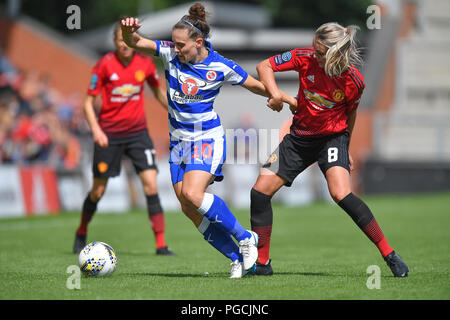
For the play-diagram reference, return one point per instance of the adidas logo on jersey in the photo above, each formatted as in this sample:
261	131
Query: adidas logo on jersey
114	77
310	78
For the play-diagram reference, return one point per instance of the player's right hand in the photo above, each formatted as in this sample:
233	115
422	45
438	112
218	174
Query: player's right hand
100	138
130	25
275	104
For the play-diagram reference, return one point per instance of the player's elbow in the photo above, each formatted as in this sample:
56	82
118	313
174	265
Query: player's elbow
263	65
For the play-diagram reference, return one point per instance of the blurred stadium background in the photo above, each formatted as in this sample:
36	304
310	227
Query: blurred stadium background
401	142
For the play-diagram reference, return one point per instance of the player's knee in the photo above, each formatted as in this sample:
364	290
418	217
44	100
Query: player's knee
192	197
339	194
97	193
150	189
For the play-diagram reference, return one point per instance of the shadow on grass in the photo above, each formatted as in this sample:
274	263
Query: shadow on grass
315	274
221	275
174	275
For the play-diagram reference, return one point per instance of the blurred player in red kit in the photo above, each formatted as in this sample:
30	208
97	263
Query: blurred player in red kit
121	129
329	93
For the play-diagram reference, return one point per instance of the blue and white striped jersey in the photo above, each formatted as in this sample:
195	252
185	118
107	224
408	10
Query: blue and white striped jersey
192	89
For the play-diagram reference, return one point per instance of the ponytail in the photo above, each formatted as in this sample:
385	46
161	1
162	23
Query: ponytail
342	47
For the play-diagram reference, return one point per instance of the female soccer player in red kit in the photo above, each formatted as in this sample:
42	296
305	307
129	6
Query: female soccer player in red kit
329	93
121	129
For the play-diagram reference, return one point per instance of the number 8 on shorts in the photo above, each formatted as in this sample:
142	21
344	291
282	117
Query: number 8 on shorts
332	154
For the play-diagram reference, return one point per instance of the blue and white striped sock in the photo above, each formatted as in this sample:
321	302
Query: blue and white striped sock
218	213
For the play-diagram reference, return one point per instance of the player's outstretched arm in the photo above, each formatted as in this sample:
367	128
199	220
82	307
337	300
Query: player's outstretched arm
258	87
130	36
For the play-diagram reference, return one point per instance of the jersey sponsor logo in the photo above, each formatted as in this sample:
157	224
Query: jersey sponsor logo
338	95
126	90
318	100
190	85
189	89
94	81
114	77
180	97
211	75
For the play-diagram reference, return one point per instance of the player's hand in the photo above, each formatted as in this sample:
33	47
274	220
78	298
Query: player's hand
293	105
352	167
129	25
293	108
100	138
275	103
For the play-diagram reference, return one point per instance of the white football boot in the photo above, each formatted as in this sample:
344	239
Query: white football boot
236	269
249	250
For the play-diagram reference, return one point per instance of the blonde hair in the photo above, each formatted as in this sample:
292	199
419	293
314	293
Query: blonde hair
342	47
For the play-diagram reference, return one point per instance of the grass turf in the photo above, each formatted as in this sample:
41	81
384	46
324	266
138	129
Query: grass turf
317	253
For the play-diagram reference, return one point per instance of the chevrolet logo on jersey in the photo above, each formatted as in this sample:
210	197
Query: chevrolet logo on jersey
317	99
126	90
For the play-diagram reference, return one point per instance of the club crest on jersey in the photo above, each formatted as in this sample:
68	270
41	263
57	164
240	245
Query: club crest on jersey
190	85
139	75
338	95
211	75
272	158
102	167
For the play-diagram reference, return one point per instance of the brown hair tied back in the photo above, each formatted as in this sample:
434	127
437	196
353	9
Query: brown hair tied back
195	22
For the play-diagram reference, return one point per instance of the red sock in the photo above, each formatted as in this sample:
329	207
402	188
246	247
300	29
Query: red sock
87	212
374	233
264	234
158	227
85	219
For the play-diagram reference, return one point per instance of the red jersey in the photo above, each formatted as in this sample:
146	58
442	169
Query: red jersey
323	102
122	87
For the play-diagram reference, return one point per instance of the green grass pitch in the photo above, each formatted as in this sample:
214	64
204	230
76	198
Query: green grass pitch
317	253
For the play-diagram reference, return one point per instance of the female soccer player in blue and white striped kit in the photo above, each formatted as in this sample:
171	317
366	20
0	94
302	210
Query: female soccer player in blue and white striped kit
194	74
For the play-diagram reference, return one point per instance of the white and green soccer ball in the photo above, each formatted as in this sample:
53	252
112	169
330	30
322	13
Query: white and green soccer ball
97	259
